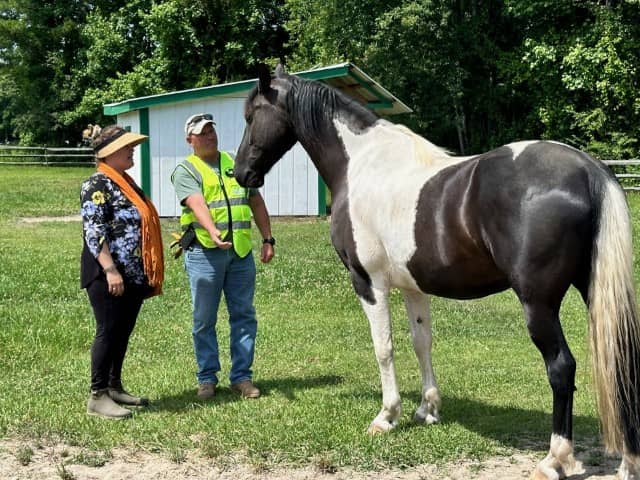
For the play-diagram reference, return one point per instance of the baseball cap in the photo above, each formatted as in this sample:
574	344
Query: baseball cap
195	123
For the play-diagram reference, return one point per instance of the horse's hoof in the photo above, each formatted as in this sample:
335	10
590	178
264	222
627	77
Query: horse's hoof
547	474
378	427
628	471
429	419
627	476
575	468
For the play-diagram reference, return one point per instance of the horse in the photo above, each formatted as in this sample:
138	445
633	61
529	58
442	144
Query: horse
534	216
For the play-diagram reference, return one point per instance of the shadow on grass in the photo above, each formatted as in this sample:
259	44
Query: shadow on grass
286	386
524	429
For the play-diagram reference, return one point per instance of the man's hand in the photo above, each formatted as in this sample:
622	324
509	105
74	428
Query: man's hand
215	236
267	253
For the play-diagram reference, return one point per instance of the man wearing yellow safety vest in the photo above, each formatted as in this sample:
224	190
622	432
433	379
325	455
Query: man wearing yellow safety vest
216	221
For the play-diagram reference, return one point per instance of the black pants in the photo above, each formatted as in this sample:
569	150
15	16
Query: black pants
115	319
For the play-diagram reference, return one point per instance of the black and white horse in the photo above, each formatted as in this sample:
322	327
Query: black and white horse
533	216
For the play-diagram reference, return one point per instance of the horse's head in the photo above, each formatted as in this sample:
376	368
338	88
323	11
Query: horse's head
268	133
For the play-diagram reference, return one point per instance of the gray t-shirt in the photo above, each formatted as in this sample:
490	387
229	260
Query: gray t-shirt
185	185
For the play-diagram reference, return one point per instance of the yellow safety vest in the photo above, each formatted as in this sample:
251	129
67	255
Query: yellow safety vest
228	204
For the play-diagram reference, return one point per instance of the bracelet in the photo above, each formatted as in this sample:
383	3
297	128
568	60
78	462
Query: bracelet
110	269
271	241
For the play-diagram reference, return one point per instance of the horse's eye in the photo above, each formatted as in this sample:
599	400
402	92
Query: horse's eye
249	118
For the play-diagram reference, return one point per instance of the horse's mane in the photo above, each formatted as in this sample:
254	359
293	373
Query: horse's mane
311	104
426	152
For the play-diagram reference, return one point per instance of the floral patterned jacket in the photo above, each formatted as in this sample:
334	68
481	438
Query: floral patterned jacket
108	215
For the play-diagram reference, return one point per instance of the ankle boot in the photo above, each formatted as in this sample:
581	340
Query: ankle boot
119	395
100	404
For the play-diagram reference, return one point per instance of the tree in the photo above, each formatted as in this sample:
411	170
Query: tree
441	58
576	68
114	62
38	42
79	55
328	32
476	73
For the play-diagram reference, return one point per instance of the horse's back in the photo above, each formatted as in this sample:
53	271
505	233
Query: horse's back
507	218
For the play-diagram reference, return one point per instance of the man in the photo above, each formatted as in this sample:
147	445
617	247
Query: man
216	215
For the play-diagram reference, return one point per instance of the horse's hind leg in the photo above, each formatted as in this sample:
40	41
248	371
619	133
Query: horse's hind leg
630	467
380	323
544	327
417	305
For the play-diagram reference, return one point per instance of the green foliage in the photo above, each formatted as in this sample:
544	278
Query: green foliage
59	75
581	75
38	44
432	85
323	33
477	74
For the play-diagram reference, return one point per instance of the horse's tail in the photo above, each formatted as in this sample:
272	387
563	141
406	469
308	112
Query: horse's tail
614	325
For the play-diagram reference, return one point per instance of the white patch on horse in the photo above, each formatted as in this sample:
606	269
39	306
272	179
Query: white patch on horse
559	462
518	147
388	167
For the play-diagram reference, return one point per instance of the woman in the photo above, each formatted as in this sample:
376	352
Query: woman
122	264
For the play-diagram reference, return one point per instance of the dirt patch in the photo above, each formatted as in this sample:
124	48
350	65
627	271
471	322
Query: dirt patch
65	218
24	460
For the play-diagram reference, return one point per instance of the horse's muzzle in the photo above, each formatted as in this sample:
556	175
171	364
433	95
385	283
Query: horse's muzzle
249	178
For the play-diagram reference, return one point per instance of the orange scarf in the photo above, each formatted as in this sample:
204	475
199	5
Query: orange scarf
152	250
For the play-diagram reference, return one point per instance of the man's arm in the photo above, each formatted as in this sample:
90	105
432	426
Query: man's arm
189	192
198	205
261	217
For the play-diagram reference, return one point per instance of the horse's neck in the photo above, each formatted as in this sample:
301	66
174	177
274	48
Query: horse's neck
326	150
382	146
336	131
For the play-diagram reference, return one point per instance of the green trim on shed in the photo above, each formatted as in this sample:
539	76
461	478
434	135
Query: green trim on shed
181	96
322	197
333	72
365	84
385	99
145	153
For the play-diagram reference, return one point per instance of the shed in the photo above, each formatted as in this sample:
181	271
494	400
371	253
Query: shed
293	187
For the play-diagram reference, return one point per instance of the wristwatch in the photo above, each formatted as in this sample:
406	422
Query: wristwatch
271	241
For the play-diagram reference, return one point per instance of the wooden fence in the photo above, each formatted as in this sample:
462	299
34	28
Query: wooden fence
13	155
629	181
84	156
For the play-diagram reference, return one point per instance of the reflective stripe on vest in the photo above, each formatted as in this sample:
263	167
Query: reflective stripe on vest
224	196
232	202
222	226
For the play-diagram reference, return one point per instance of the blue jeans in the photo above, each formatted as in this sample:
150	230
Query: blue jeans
212	271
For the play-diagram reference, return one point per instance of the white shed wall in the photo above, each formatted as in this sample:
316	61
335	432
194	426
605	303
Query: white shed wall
131	121
291	188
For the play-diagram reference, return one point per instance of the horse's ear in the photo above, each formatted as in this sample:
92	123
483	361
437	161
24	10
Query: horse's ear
264	78
280	70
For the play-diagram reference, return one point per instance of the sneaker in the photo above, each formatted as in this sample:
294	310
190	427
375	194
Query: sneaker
246	389
100	404
206	391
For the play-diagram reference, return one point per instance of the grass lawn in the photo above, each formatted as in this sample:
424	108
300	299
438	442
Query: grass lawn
314	359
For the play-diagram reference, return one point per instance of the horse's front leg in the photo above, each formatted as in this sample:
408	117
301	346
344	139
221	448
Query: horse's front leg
417	305
380	322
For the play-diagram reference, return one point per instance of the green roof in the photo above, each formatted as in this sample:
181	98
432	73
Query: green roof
344	76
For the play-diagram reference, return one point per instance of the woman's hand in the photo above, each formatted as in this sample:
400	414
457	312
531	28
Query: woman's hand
115	282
